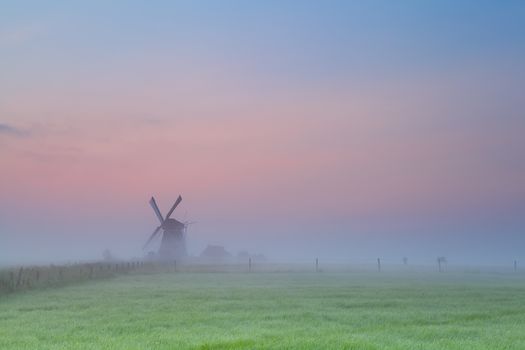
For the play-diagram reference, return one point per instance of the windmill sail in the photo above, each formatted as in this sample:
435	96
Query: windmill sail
156	209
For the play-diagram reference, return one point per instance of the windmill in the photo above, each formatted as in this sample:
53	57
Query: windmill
173	243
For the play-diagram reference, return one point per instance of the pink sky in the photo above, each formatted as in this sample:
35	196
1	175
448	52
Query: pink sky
344	149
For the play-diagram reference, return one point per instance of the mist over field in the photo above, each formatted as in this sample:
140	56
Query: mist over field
46	238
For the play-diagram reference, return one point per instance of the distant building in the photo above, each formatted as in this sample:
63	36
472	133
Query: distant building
215	252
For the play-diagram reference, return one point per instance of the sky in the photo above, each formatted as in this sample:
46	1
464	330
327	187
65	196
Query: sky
297	129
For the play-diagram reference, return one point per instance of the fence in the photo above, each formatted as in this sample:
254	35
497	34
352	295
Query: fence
21	278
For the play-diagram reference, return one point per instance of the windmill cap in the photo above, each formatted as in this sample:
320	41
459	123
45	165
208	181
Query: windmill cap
172	224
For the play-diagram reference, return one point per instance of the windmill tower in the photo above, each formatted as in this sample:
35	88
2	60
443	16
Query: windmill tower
173	243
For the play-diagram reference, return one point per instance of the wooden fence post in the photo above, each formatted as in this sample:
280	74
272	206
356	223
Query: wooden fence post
19	280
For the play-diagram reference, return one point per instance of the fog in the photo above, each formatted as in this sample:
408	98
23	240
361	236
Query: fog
73	236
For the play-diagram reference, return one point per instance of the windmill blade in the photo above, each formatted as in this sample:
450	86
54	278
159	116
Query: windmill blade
151	237
156	209
174	206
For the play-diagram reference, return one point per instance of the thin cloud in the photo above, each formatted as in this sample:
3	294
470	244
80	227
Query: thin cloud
6	129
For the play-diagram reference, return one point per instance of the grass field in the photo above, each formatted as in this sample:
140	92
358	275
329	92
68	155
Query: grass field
357	310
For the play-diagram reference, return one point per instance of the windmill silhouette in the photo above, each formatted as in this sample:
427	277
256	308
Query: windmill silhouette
173	243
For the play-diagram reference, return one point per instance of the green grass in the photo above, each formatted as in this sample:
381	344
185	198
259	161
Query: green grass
411	310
